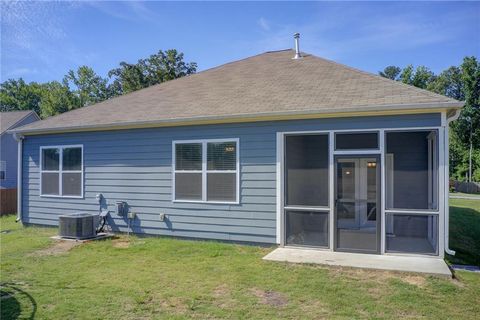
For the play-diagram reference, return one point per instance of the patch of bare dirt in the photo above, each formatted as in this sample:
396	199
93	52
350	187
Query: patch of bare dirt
221	291
270	297
458	283
223	297
121	243
378	276
418	281
315	307
59	247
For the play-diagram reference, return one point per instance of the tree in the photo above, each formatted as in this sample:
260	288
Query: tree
406	75
128	77
420	77
467	128
449	83
391	72
56	98
18	95
461	83
87	86
158	68
165	66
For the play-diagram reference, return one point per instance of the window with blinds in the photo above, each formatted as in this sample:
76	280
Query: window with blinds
61	171
206	171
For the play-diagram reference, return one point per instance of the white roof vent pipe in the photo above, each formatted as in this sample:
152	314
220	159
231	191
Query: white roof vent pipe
296	36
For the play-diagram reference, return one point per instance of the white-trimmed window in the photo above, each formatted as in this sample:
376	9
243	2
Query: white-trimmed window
206	170
61	171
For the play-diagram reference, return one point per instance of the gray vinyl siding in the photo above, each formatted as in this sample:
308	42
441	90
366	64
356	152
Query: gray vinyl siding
9	154
136	166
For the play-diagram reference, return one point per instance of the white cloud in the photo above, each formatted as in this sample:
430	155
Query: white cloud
263	23
132	11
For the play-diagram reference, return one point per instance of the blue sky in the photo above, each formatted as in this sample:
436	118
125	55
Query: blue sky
41	41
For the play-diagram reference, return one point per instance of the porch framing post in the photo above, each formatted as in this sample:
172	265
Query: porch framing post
331	191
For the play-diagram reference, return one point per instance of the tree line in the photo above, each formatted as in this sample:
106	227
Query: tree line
461	83
84	87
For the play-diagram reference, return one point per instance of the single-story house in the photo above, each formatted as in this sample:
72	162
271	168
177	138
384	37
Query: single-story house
9	156
275	148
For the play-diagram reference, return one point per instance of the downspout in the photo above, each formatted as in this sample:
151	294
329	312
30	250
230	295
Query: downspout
447	180
19	139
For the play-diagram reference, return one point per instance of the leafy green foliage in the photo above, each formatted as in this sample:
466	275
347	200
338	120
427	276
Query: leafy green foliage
87	87
56	98
18	95
158	68
461	83
391	72
84	87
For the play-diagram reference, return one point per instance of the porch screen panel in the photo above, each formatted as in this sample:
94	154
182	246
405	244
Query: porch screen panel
307	228
306	170
412	233
412	170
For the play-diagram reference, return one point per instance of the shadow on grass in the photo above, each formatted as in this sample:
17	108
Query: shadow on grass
12	300
465	236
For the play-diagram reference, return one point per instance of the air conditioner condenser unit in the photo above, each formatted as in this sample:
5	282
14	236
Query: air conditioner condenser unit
80	225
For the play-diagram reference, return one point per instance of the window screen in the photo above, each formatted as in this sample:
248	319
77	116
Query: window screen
412	170
61	171
355	141
220	171
306	170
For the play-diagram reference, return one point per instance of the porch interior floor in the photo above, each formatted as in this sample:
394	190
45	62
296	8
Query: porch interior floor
408	244
429	265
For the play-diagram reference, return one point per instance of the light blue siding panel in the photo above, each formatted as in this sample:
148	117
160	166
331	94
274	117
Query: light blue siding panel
135	166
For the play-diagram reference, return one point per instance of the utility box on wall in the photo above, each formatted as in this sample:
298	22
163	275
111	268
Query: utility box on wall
121	208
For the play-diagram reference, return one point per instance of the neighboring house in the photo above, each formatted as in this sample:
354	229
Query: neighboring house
268	149
9	155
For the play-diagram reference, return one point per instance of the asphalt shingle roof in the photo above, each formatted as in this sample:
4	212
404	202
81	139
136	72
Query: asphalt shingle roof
9	119
271	83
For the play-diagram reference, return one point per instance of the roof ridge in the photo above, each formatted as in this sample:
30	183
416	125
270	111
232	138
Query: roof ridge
379	77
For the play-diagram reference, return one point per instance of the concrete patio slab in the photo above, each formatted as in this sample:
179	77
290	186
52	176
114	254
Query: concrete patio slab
433	266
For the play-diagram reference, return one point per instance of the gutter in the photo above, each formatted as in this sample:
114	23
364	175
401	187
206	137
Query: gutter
19	139
450	118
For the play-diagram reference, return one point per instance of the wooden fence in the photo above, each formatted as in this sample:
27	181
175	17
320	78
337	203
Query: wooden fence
8	201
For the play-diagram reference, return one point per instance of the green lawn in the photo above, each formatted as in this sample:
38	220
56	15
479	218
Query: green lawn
143	278
465	231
